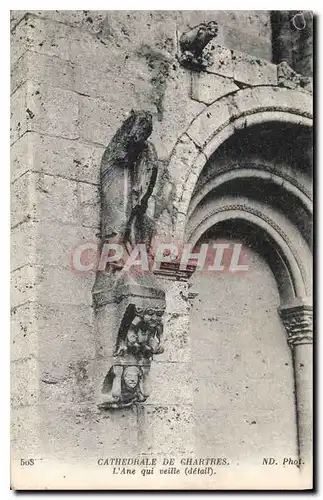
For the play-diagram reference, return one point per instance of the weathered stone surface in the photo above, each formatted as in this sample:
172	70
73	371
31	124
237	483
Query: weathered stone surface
240	438
56	156
15	17
89	208
64	381
90	68
40	35
162	389
221	60
177	112
44	109
24	382
167	429
52	111
41	243
18	117
184	153
201	130
117	80
24	338
253	71
23	285
51	198
24	431
251	43
208	88
42	69
272	97
54	287
288	78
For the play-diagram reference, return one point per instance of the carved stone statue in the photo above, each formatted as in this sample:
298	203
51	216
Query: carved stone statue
123	386
140	336
144	335
128	176
193	42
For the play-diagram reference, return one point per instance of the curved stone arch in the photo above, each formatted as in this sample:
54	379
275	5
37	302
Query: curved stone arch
256	215
217	122
253	172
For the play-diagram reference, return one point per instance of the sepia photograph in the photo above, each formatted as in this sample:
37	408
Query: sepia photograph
161	190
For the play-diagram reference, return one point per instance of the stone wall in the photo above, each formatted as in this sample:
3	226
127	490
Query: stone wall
75	77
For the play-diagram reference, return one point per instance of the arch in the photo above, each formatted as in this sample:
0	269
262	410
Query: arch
288	244
251	172
217	122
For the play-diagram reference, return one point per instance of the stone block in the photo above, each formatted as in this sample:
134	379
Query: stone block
50	243
66	383
253	71
40	35
52	111
18	116
56	156
72	431
65	335
183	154
23	327
99	120
221	60
207	87
177	341
126	77
239	437
236	38
271	97
106	330
23	285
89	205
20	157
24	433
15	17
52	193
166	430
24	389
176	110
201	131
84	19
64	287
23	199
43	69
219	391
53	285
170	383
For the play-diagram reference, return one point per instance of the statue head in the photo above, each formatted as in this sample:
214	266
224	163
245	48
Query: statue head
131	375
139	126
152	317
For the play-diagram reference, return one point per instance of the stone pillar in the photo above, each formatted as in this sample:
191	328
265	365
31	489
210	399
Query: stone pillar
298	319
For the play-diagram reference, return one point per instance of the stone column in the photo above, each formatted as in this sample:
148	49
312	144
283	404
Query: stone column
298	319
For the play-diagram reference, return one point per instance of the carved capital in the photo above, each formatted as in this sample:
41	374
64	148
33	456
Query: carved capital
298	321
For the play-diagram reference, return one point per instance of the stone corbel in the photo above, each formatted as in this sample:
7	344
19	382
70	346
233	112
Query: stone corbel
192	44
140	337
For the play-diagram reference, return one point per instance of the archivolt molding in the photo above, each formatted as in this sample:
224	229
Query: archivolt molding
217	122
259	215
236	172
